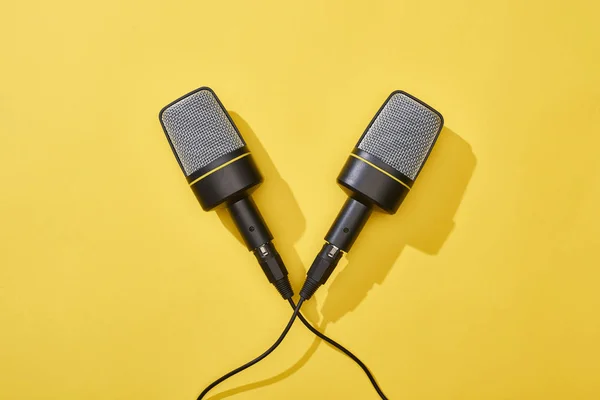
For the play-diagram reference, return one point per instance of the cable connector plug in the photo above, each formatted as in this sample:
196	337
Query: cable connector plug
320	270
272	265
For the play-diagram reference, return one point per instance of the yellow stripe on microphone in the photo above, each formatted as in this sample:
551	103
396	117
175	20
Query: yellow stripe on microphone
218	168
380	170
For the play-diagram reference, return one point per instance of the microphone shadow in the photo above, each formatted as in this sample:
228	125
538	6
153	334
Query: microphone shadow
278	207
424	221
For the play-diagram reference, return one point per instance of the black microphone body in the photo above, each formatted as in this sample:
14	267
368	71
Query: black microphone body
221	172
378	174
231	185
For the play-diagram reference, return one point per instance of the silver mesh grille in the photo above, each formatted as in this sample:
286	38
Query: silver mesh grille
199	130
402	134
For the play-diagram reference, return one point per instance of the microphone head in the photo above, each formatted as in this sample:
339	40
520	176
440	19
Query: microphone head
209	148
199	130
402	133
391	152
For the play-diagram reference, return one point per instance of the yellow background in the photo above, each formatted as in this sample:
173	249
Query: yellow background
114	284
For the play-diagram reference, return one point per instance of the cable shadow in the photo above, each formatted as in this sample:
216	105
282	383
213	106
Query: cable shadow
424	221
277	378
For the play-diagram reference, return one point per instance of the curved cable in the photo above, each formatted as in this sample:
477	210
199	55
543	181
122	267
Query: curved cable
257	359
339	347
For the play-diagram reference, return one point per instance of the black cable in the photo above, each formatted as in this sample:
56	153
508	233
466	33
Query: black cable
257	359
339	347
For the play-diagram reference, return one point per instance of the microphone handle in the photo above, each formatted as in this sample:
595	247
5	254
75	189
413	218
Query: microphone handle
348	224
341	236
258	240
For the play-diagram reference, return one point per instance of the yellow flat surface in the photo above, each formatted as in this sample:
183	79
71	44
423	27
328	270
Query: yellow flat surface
114	284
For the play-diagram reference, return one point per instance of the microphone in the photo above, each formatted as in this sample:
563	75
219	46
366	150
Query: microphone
221	172
378	175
